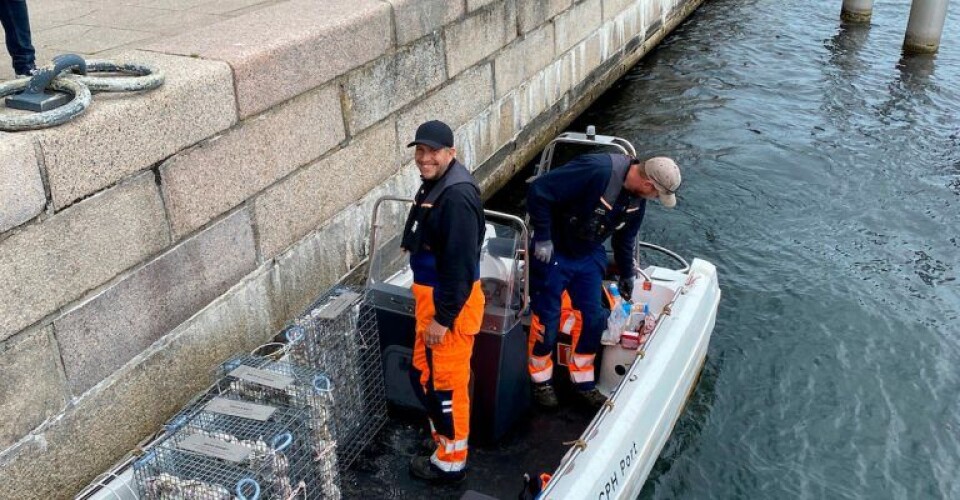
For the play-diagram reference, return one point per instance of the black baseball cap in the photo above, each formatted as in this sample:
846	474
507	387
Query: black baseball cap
434	134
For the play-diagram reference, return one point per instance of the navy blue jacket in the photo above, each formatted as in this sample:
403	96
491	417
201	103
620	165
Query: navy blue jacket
453	233
575	188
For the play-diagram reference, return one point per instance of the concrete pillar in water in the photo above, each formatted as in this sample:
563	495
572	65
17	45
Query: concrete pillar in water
925	26
856	11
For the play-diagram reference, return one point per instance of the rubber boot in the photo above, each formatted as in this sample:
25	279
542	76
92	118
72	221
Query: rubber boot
423	468
427	447
592	398
545	396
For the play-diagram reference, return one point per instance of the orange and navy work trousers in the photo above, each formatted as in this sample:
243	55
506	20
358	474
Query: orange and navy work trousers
445	375
566	296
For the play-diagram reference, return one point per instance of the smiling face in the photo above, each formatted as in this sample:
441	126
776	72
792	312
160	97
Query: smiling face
433	163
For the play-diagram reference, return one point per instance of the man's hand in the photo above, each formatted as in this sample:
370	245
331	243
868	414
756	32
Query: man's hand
543	251
434	334
626	288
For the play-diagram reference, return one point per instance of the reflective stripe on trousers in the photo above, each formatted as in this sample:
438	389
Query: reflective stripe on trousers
580	366
445	375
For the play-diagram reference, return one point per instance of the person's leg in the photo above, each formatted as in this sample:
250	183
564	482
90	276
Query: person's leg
16	28
585	292
421	367
547	285
445	377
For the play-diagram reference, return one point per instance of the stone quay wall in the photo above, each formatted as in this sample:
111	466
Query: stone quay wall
148	240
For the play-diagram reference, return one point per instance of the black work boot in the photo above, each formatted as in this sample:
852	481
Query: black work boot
427	446
592	398
545	396
423	468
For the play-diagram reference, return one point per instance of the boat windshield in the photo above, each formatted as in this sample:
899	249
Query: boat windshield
502	263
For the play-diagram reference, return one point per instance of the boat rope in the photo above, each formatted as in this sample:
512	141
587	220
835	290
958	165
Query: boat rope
122	77
579	444
271	350
691	281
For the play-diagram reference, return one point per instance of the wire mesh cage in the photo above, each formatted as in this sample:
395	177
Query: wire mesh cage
216	454
338	334
262	380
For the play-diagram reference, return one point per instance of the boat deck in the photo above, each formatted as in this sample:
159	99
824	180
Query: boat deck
534	446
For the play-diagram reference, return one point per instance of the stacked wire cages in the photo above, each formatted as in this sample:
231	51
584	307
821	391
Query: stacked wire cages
213	455
338	334
276	383
254	387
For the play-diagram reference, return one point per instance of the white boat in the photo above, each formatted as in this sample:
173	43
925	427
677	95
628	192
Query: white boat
647	387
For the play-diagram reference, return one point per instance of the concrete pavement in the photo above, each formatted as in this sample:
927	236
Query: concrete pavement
98	28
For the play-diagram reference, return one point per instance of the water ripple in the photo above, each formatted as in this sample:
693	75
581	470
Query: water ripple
822	169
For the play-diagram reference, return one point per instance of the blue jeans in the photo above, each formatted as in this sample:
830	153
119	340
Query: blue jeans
582	278
16	27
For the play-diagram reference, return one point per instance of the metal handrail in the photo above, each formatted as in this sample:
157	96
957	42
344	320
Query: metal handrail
524	239
374	225
590	138
669	253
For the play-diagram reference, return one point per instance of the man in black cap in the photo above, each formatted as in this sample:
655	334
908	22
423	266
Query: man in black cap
443	233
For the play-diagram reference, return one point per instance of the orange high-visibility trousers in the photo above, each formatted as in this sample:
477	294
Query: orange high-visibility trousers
580	366
445	375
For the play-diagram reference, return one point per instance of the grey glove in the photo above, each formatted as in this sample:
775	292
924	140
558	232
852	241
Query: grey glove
543	251
626	288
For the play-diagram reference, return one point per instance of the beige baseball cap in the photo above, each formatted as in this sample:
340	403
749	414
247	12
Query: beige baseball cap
665	175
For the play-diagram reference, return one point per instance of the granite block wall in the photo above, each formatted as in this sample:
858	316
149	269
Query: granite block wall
145	242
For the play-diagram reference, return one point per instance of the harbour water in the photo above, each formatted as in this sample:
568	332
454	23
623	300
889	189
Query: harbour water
822	177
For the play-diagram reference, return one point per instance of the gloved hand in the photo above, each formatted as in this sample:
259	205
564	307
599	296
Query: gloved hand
626	288
543	251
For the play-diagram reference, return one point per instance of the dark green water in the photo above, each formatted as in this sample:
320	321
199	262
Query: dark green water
822	177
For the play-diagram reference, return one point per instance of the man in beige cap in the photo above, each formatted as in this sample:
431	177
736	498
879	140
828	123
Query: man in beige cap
573	209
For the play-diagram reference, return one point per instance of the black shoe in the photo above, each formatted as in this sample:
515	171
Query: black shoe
592	398
423	468
545	396
427	447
